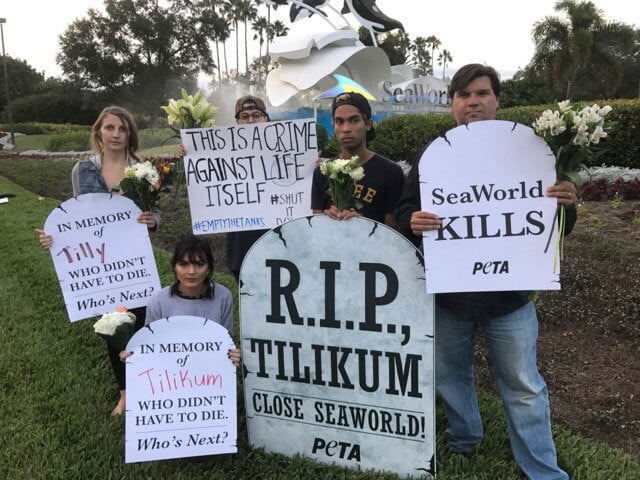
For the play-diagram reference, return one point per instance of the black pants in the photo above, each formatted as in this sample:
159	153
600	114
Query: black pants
118	367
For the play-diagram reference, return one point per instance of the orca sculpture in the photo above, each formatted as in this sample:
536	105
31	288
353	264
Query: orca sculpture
298	12
370	16
274	3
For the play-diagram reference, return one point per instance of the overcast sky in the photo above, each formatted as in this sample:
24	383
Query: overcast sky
495	32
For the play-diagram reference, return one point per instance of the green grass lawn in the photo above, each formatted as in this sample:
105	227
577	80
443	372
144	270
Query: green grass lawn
56	387
30	142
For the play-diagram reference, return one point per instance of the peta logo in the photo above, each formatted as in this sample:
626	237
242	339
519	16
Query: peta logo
491	268
343	450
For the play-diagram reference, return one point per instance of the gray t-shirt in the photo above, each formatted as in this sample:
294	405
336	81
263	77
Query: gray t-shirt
217	307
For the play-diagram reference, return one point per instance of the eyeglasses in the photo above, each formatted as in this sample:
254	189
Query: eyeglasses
244	117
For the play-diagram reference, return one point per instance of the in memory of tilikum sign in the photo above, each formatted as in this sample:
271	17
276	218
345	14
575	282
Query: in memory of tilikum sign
181	391
337	345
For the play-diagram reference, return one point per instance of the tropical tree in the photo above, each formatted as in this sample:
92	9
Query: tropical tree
137	47
443	58
221	33
581	50
276	29
421	56
248	13
517	92
279	29
434	43
395	44
260	27
234	16
630	86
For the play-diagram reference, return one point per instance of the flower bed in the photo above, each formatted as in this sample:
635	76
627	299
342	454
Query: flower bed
607	183
4	141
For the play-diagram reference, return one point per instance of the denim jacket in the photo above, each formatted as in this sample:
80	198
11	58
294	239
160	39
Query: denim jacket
86	176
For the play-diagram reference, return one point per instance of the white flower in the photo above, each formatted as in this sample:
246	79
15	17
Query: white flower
550	122
146	171
610	174
340	164
597	134
109	322
357	173
564	106
604	111
190	111
582	134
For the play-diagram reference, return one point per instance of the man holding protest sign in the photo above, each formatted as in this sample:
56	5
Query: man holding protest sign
381	186
248	109
507	318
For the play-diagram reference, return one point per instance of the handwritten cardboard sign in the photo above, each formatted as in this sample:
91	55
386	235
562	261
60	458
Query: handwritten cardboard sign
102	255
337	345
249	177
181	391
487	182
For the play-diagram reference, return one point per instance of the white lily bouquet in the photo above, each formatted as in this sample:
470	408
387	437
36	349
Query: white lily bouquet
342	176
573	135
190	111
116	328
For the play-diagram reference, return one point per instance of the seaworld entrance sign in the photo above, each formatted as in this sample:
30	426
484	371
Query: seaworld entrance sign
318	65
420	95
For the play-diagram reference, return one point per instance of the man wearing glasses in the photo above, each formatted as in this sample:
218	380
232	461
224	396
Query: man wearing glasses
249	109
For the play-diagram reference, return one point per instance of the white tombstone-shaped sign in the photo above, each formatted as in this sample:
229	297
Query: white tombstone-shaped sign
181	391
487	182
337	345
249	177
102	255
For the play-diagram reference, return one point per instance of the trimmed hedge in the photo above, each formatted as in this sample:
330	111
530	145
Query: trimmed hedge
39	128
404	136
69	142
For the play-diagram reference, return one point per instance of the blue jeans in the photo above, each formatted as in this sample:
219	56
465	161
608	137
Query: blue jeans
511	340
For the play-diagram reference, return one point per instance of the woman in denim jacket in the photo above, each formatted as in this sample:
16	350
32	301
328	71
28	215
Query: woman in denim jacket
114	139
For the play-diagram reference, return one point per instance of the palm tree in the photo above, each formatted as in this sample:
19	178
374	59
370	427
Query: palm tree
221	33
434	43
234	15
279	29
395	45
260	26
444	58
576	47
225	33
421	56
248	14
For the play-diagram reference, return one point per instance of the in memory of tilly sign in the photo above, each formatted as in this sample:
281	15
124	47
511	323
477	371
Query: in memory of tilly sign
487	182
337	345
102	255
